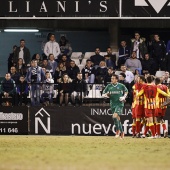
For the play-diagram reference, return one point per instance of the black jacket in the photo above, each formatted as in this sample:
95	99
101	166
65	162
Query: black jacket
79	86
72	72
149	65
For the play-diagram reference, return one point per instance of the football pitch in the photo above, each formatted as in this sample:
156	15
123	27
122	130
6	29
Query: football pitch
83	153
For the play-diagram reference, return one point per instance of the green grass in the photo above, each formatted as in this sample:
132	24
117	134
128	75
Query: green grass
83	153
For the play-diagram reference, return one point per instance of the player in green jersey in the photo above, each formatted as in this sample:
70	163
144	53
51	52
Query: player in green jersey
117	93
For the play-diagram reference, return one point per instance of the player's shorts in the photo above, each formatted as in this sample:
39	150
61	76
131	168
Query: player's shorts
117	109
160	112
139	111
133	113
150	112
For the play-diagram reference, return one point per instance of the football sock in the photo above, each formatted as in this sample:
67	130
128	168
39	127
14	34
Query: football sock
158	129
164	126
138	125
152	128
133	129
146	129
116	123
120	126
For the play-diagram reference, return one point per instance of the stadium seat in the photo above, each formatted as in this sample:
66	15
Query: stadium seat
95	90
76	55
103	53
81	67
159	73
88	54
77	61
118	72
84	61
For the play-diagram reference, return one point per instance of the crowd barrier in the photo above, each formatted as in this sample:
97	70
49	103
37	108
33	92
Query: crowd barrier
94	120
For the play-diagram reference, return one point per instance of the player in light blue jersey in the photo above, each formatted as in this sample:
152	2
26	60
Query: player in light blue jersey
117	93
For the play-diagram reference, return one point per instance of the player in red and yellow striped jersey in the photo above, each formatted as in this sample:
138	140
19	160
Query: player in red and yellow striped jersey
151	101
161	110
139	104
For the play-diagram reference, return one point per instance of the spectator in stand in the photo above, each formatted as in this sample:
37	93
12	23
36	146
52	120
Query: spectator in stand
133	63
65	48
95	59
52	47
148	64
52	63
47	66
168	56
73	70
88	72
65	61
14	75
101	72
20	67
65	88
48	90
159	52
124	53
165	78
60	70
11	58
22	52
129	75
22	91
138	45
146	74
79	89
110	58
35	76
8	88
108	76
38	58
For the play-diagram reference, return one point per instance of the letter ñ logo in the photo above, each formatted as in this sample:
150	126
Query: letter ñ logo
156	4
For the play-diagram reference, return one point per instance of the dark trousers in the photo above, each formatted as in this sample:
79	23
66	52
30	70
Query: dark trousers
14	99
22	98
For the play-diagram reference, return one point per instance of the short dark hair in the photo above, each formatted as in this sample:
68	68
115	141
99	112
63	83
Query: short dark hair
142	78
22	40
150	79
157	80
123	74
116	76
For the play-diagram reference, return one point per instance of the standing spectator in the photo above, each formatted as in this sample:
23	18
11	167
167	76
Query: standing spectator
14	75
95	59
88	72
20	67
159	52
65	88
22	52
47	66
148	64
79	89
129	75
37	57
52	47
73	70
124	53
52	63
65	47
8	88
48	89
101	72
34	77
108	76
138	45
22	91
11	58
110	58
60	70
133	63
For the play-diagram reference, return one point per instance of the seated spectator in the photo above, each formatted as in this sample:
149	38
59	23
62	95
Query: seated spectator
110	59
65	88
20	67
52	63
8	88
108	76
165	78
38	58
65	48
148	64
101	72
124	53
73	70
129	75
47	66
88	72
14	75
95	59
60	70
11	58
65	61
146	74
48	90
22	91
133	63
79	89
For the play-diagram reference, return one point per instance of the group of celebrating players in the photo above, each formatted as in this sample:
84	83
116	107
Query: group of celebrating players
148	107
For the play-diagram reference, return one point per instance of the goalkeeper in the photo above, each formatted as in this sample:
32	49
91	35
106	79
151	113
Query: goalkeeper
117	93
